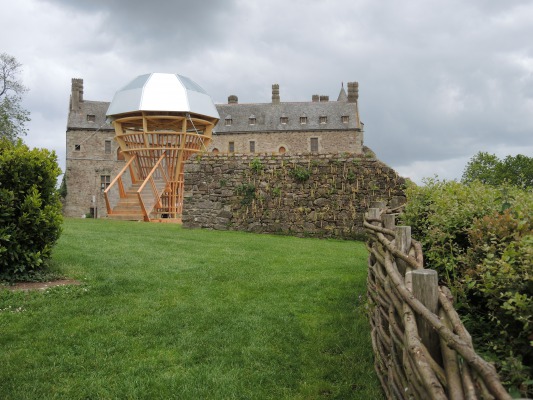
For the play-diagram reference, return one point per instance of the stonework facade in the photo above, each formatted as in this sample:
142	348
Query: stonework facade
310	195
317	127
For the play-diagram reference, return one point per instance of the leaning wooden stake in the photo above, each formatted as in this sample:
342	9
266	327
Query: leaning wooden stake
426	289
403	245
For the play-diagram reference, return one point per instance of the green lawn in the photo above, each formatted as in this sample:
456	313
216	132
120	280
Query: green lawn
165	312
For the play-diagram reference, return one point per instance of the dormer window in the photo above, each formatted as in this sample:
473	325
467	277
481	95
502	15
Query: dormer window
252	120
91	118
284	120
228	121
323	119
303	120
345	119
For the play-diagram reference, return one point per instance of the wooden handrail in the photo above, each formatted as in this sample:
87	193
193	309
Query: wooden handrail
118	178
149	178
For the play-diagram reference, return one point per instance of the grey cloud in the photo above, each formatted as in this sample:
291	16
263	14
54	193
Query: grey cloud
158	28
439	80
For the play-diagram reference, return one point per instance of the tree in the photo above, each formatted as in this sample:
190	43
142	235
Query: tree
12	115
481	168
518	170
489	169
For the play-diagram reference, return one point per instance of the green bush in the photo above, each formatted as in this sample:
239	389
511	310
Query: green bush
30	210
247	191
300	174
480	240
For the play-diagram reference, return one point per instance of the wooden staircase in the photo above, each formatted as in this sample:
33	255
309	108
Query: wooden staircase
129	207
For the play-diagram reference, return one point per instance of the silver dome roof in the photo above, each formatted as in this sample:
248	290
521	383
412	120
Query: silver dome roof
162	92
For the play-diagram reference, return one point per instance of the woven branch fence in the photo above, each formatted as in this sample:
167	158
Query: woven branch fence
422	350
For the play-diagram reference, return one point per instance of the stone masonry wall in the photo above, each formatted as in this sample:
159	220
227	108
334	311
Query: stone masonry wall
304	194
293	142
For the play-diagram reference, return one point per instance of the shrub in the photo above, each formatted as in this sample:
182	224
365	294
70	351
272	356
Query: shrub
256	165
247	191
30	210
498	283
480	240
440	214
300	174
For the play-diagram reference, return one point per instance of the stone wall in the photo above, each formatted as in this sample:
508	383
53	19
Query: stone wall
300	194
293	142
87	160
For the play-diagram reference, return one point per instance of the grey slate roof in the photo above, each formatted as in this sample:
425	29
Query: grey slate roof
267	116
342	95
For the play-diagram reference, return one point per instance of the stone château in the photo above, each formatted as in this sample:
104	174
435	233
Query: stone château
318	126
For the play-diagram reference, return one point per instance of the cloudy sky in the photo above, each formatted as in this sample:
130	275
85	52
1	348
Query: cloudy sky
439	80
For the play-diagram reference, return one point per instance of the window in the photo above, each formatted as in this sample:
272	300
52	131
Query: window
108	146
303	120
91	118
252	120
228	121
282	150
252	146
345	119
323	119
105	180
314	145
77	147
284	120
231	147
120	155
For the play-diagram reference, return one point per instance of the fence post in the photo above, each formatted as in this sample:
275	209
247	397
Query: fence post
374	213
403	244
426	290
389	221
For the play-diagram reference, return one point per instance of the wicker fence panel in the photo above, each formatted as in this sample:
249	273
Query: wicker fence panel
422	350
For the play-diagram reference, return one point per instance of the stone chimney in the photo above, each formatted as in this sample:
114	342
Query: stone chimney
233	99
323	98
353	92
315	98
76	97
275	94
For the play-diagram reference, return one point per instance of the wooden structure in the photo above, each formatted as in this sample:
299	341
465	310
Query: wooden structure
422	350
156	144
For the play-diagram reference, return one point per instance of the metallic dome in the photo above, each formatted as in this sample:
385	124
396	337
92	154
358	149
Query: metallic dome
162	92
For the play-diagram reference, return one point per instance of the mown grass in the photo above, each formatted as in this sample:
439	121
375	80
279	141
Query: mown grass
165	312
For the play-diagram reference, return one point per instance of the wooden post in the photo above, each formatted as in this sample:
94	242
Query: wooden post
389	221
373	213
426	290
403	244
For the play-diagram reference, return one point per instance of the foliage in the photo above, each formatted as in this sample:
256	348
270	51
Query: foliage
247	191
30	210
480	240
300	174
489	169
170	313
63	187
498	282
256	165
12	115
